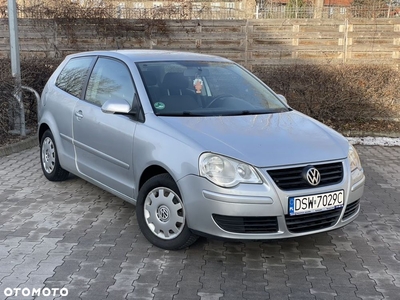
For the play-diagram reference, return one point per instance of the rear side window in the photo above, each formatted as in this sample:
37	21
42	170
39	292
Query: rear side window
71	77
110	79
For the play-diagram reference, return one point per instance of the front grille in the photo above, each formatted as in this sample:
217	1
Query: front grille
247	224
351	209
292	179
314	221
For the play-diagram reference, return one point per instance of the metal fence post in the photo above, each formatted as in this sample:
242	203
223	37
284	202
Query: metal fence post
18	97
15	67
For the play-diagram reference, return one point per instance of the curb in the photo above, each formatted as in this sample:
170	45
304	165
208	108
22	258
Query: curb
25	144
356	133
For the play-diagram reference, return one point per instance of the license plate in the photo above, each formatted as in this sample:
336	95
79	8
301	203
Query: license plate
315	203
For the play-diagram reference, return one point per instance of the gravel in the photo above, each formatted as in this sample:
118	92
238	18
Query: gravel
374	141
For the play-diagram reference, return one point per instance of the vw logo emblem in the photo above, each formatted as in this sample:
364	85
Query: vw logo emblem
163	213
312	175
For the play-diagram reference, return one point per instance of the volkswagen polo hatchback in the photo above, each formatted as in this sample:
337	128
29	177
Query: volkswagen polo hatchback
199	144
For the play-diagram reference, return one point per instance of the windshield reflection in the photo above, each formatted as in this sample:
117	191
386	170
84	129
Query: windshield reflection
195	88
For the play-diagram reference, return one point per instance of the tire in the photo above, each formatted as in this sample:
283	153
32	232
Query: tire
161	214
51	167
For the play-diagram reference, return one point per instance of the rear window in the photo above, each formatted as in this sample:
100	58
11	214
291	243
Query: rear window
71	77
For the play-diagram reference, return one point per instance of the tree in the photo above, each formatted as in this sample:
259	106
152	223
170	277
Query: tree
370	3
372	8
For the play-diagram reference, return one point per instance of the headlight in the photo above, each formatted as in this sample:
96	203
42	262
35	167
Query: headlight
226	172
354	159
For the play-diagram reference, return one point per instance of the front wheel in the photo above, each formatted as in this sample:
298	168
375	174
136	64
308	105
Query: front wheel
161	214
49	159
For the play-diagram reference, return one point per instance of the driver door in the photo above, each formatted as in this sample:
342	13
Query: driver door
104	142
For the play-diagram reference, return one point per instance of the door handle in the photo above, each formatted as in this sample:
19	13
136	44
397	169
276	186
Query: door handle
79	114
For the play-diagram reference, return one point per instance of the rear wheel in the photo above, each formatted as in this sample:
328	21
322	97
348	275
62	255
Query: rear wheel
161	214
49	159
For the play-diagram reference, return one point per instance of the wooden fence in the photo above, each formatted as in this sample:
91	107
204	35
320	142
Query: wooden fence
249	42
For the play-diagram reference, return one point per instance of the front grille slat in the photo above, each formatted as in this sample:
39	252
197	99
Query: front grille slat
295	224
330	178
300	226
292	179
247	224
313	221
290	185
317	217
351	209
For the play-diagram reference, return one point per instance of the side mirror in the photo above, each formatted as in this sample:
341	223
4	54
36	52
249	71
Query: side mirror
282	98
116	106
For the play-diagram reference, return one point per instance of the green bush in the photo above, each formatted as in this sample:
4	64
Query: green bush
336	93
34	73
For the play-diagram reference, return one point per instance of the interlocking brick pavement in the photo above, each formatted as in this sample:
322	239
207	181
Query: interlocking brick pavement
74	235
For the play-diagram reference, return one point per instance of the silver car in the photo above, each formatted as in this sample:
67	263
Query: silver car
200	146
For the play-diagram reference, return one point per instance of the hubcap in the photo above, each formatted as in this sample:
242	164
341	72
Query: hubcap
164	213
48	155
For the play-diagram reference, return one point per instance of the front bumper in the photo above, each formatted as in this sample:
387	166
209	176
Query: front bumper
260	211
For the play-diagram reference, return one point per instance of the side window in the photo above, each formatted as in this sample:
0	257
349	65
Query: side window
71	77
110	79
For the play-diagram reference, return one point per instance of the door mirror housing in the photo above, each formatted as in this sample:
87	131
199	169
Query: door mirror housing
282	98
116	106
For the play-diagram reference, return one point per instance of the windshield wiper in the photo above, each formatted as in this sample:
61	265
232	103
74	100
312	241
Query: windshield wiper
179	114
246	112
205	113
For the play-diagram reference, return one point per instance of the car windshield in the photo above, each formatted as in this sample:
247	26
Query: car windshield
197	88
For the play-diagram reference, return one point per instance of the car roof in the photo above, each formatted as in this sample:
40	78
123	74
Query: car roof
147	55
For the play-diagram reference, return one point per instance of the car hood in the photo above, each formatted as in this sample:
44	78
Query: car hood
264	140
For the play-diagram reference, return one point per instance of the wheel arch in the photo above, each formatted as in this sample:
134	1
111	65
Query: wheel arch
151	171
42	129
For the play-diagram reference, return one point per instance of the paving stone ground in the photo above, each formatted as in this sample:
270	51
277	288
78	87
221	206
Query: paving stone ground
73	235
